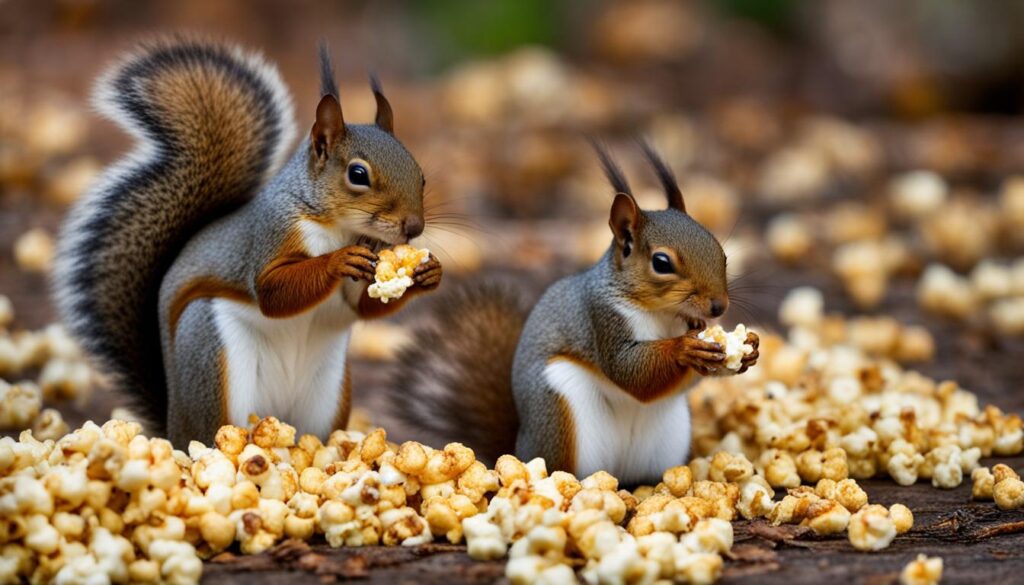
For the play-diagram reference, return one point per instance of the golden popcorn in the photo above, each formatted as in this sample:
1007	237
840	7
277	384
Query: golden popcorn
393	273
734	343
34	250
923	570
871	528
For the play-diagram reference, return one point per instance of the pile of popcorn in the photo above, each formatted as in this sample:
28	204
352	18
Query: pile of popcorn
952	245
62	373
393	274
993	293
785	443
819	407
803	310
110	501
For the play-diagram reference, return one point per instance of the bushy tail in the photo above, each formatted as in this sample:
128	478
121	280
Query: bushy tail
453	382
213	123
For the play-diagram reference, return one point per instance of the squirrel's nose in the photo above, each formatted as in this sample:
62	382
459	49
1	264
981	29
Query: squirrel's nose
413	226
718	307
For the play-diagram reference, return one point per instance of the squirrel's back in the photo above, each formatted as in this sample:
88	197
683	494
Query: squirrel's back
213	123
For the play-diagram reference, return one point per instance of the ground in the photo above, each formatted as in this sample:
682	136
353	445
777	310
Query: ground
977	542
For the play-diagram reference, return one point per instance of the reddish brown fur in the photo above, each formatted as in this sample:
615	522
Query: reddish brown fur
206	287
568	428
224	388
293	282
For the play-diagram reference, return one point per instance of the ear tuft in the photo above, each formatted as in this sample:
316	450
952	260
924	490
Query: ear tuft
327	84
329	127
611	170
668	180
385	118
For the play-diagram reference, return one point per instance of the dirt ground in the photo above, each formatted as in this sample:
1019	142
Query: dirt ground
977	542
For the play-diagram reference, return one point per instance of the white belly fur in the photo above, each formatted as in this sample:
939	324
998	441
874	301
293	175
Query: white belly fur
633	441
289	368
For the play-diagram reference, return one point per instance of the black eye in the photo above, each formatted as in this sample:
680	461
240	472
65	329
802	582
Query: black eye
661	263
358	175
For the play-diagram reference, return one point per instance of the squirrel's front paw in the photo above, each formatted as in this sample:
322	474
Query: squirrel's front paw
706	357
428	274
355	262
751	358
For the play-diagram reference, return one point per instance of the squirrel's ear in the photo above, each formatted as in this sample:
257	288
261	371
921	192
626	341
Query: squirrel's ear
329	127
625	220
385	118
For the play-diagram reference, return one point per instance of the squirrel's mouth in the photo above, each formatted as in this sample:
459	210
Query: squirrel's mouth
372	243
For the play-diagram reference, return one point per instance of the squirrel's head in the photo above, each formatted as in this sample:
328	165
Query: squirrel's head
370	182
669	263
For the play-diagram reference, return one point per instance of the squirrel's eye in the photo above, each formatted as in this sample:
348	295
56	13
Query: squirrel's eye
358	177
661	263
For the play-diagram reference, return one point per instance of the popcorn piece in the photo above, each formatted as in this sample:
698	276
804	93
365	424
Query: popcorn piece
917	194
34	250
394	270
863	267
923	570
943	291
903	462
677	479
846	492
827	517
1008	493
944	464
902	518
915	344
728	468
19	405
734	343
871	528
779	469
803	307
789	238
755	498
991	280
983	483
1007	316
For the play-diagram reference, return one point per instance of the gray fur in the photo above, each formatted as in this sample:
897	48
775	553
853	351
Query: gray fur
126	230
194	367
203	201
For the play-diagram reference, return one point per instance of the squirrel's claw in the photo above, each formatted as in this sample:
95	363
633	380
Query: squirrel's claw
428	275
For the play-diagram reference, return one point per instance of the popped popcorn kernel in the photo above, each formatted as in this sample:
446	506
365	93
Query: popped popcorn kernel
983	483
1009	493
871	528
393	273
902	518
923	570
734	343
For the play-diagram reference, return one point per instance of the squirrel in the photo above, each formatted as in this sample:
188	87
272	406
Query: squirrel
212	275
593	377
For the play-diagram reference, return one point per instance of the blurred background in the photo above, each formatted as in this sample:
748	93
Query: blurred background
867	148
